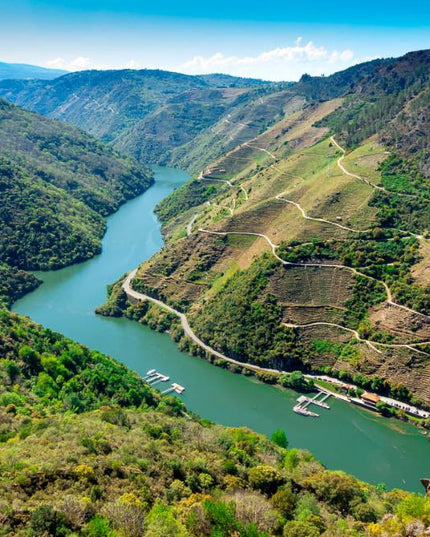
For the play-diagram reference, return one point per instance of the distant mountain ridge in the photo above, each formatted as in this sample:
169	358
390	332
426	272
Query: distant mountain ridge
25	71
177	119
146	113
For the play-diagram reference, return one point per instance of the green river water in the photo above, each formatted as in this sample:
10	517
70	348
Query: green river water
345	437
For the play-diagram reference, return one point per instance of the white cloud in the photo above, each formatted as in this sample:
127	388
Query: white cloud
132	64
283	63
57	63
80	63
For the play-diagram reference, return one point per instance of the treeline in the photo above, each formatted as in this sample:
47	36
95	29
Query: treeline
14	284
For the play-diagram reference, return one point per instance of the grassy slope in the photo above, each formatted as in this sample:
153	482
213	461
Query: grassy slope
89	450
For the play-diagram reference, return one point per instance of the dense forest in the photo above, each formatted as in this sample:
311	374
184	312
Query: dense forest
14	284
67	158
57	183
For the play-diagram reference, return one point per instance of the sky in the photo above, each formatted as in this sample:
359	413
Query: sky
269	39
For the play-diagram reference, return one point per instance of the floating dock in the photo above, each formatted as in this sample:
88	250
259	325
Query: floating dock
304	402
157	377
149	374
174	388
153	377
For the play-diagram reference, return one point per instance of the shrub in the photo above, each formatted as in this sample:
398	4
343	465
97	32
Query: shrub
291	459
11	398
161	522
285	501
83	471
297	528
46	521
335	488
264	478
98	527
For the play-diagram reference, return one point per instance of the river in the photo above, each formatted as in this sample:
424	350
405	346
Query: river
346	437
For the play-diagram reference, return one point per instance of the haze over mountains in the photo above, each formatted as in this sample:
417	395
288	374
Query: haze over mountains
24	71
162	117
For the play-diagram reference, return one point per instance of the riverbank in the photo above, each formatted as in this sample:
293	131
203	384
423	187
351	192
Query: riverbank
370	448
345	391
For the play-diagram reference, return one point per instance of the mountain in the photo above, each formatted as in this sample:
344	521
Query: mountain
146	113
89	449
306	244
57	184
18	71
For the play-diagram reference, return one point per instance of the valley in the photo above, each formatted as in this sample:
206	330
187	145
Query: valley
276	230
66	301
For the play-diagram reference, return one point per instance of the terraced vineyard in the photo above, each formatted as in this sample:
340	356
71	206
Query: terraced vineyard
326	260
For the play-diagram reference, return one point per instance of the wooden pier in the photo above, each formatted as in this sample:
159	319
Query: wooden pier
303	402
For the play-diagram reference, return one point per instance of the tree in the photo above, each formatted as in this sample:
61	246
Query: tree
280	438
12	370
46	521
336	488
161	522
30	357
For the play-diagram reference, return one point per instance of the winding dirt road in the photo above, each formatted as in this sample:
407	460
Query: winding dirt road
274	247
131	293
371	344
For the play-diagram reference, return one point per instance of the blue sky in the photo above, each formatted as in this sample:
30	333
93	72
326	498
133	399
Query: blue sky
273	39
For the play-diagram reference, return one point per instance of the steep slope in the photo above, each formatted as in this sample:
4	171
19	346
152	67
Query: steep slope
290	251
69	159
89	449
57	183
144	113
18	71
14	284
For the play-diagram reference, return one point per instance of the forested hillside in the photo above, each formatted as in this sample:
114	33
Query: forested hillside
67	158
88	449
56	185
